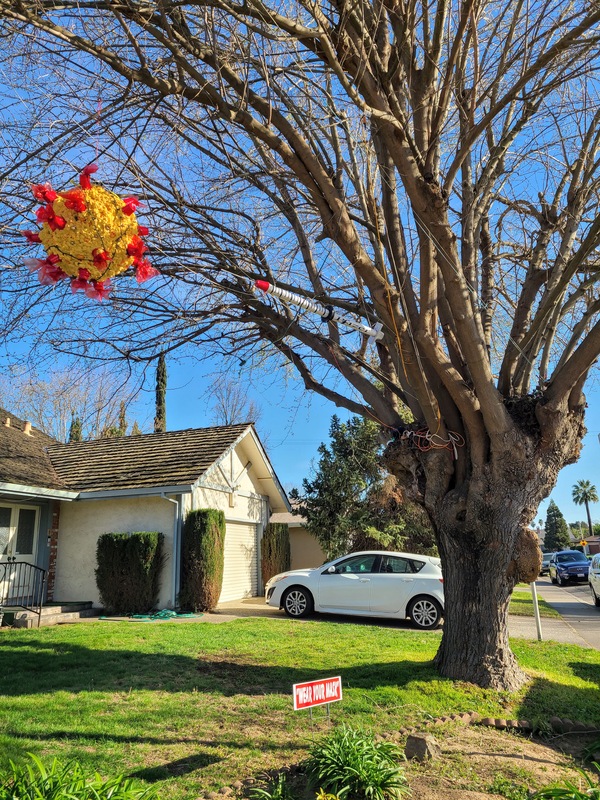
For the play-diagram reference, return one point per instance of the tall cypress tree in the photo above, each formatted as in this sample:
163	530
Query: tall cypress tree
557	530
160	420
75	429
122	427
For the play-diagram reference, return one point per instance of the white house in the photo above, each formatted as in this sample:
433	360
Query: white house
57	499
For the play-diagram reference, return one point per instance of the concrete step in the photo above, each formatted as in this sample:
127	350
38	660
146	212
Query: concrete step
53	614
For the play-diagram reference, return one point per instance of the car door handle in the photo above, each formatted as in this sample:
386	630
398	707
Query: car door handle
365	580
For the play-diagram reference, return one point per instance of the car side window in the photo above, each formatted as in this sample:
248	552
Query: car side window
399	566
357	564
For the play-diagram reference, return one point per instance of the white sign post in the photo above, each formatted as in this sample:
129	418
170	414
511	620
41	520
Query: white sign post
536	611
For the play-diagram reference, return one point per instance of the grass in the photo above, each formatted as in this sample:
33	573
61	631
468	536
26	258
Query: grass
521	605
192	707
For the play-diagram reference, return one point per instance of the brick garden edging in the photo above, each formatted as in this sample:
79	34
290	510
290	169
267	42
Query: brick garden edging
557	725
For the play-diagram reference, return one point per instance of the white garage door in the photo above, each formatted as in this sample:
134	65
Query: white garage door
240	569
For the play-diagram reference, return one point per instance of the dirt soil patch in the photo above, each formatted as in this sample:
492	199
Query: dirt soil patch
479	763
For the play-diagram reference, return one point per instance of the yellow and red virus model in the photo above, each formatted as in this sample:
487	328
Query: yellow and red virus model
90	235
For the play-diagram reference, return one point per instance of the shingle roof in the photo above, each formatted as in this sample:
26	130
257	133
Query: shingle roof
24	459
174	458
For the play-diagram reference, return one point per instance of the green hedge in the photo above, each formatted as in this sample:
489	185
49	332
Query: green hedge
128	571
275	550
202	557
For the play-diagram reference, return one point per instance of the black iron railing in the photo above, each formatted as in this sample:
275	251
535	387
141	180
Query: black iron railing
22	585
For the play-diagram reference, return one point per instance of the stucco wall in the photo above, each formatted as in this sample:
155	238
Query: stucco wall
305	551
82	522
245	503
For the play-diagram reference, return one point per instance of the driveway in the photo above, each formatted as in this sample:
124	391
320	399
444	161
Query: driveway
579	623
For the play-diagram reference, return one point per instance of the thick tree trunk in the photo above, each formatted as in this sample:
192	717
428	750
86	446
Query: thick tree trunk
484	543
479	576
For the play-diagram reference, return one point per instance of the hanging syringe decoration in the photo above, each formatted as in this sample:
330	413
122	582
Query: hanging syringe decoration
327	313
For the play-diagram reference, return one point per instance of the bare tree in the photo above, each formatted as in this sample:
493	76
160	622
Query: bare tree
96	399
230	403
432	167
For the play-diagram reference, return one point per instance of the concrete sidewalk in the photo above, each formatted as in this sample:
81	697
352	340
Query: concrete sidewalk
553	629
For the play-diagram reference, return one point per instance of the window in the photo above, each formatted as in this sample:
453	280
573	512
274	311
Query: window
18	531
5	517
400	566
570	558
357	564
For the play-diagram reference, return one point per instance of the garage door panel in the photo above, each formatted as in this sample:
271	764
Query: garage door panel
240	570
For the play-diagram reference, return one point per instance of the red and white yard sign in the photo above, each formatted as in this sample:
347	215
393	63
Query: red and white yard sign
317	693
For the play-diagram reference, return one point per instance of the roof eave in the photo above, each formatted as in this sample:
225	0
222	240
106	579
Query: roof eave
143	491
40	492
272	479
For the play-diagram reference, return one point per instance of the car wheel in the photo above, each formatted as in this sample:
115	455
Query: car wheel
297	602
560	580
425	612
552	580
595	597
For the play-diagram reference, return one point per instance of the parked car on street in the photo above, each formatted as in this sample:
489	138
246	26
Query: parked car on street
367	584
594	579
568	565
545	563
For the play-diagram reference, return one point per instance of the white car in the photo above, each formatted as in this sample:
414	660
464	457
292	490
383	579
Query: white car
594	579
369	584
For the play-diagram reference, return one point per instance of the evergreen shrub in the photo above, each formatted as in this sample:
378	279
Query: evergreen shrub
202	557
275	550
128	571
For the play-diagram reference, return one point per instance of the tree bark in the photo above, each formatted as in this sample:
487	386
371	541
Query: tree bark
483	539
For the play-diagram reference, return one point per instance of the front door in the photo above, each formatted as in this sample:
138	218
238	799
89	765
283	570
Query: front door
18	543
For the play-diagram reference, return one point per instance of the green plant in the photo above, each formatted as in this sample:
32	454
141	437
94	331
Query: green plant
350	763
589	754
279	789
323	795
202	557
128	571
507	788
275	550
569	791
33	781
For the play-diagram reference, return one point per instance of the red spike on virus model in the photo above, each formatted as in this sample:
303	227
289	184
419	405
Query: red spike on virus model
90	235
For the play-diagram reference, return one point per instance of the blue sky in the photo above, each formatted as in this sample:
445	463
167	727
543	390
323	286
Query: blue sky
295	422
292	426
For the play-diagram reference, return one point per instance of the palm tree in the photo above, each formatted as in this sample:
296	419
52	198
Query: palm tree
584	494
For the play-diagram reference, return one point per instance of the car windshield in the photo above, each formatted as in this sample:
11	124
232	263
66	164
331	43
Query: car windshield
565	558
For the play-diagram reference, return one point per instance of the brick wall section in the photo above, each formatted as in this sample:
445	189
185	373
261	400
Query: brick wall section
53	541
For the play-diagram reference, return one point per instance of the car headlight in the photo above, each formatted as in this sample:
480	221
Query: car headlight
275	579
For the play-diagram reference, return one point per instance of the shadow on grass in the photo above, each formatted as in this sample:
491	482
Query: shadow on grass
73	668
69	667
62	735
545	698
174	769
